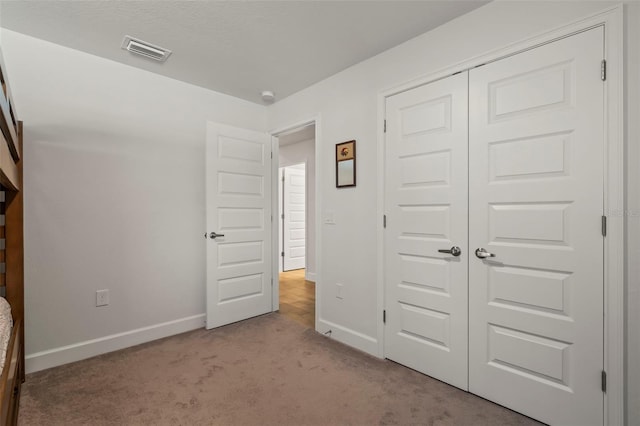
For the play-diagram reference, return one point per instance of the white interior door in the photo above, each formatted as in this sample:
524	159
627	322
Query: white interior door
536	183
294	217
238	197
426	209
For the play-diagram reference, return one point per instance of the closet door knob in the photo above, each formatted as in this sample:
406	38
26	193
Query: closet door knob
454	251
483	254
213	235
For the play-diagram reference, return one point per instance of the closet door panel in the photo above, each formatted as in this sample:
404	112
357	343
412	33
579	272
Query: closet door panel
536	199
426	208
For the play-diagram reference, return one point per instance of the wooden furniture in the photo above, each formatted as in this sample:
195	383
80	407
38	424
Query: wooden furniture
11	132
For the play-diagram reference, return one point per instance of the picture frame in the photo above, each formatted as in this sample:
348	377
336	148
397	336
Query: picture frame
346	164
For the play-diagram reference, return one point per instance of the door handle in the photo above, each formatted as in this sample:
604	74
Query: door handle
483	254
455	251
213	235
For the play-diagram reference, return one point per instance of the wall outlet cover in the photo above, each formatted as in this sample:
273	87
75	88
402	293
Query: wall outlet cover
102	297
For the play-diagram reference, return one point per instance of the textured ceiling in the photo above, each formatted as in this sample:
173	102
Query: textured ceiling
235	47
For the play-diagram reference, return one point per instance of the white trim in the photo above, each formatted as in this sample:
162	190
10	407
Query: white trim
347	336
614	319
319	179
280	185
380	291
310	276
275	226
90	348
612	20
306	210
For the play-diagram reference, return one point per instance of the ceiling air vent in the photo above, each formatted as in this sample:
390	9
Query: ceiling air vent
143	48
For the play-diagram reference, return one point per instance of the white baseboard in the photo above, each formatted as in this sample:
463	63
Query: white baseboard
348	337
90	348
310	276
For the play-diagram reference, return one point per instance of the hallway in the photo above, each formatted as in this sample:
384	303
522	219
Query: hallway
298	297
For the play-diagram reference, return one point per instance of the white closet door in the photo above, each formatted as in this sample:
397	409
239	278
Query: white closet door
536	199
294	218
426	208
238	194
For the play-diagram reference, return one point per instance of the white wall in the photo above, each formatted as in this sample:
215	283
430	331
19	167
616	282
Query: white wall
114	195
632	103
347	104
304	152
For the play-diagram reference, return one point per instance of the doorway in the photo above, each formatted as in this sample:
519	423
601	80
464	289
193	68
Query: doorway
296	219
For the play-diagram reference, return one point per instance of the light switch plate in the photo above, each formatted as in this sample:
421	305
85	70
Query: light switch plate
339	288
329	217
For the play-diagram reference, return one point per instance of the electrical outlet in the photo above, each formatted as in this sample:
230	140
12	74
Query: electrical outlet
102	297
339	291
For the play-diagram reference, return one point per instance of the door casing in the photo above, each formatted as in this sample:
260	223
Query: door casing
612	21
275	223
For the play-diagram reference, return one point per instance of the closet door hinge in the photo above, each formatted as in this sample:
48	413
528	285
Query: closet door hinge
282	254
384	221
272	155
385	126
604	381
603	70
604	226
384	316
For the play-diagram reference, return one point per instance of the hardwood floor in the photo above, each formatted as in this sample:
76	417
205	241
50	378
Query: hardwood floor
298	297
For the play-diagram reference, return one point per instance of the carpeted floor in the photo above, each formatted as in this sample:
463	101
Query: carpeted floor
268	370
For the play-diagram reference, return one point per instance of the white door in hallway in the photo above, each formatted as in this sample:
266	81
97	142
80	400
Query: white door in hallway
426	208
238	200
294	230
536	199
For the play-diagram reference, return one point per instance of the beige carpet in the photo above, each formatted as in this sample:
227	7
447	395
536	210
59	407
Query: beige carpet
265	371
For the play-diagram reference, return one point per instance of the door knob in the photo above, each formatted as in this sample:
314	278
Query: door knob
483	254
213	235
455	251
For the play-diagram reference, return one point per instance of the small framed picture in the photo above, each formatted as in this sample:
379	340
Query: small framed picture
346	164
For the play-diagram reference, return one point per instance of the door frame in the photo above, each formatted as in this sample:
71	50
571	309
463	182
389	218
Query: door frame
612	20
275	223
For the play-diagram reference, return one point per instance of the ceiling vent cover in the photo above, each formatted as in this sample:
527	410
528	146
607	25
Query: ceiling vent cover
145	49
